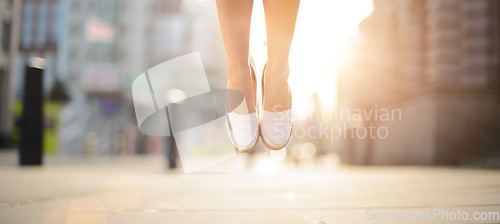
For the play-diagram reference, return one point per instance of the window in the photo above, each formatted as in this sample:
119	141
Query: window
56	22
42	24
27	24
6	26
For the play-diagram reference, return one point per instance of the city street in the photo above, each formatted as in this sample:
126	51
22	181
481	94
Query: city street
242	190
388	111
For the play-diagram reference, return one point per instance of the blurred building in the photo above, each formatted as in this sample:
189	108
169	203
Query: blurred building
107	44
10	18
40	32
41	37
438	62
96	48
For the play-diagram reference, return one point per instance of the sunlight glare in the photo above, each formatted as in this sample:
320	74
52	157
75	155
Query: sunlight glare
322	32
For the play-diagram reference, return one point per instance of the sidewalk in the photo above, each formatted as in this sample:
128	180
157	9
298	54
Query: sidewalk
140	190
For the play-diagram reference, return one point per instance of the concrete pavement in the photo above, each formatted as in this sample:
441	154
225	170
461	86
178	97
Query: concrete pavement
242	190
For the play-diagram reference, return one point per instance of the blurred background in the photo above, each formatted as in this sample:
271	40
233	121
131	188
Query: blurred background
423	75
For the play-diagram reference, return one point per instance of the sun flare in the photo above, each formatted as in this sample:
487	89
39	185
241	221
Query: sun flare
322	31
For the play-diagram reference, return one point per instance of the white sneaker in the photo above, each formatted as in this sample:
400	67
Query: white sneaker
243	129
275	127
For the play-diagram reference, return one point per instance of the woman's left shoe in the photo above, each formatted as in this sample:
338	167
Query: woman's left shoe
275	127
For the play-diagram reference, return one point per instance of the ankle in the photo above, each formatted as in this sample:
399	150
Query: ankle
277	72
238	73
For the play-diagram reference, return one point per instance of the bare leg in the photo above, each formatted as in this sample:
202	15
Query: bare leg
280	24
234	19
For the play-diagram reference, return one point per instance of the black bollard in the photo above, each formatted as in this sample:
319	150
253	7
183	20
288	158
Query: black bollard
31	142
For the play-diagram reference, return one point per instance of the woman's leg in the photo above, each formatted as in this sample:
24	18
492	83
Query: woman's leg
280	25
234	19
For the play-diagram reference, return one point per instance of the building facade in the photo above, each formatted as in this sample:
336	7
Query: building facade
10	19
40	37
438	62
96	48
108	43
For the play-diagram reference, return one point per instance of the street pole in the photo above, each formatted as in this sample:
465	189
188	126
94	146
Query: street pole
31	145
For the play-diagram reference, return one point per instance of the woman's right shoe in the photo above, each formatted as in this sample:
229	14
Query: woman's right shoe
243	129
